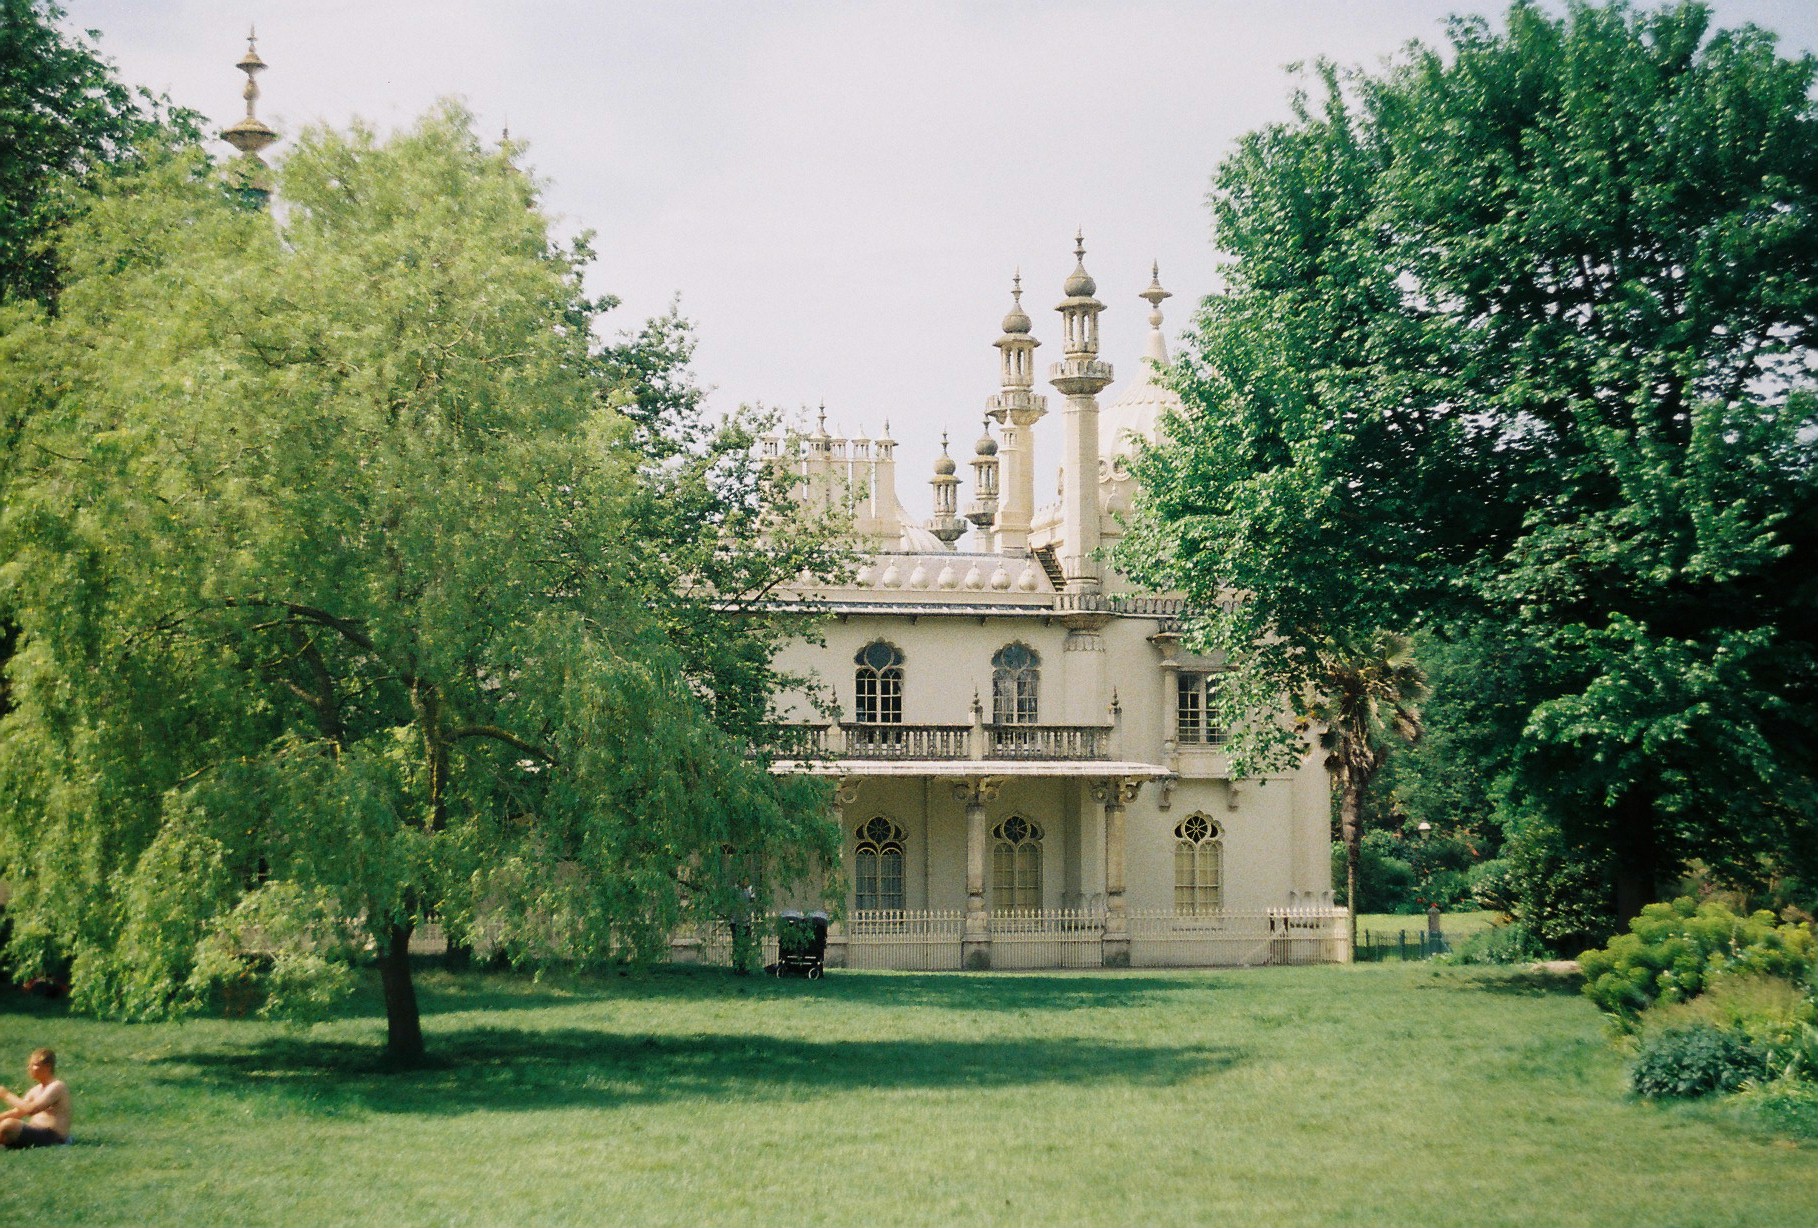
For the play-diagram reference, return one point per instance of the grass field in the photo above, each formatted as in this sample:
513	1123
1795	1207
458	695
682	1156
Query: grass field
1452	924
1382	1094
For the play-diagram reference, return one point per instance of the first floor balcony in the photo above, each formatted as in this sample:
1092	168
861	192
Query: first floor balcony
980	742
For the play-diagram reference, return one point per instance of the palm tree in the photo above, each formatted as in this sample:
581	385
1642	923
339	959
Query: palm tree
1370	692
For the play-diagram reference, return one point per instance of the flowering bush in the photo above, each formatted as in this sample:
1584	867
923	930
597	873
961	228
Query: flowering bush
1672	950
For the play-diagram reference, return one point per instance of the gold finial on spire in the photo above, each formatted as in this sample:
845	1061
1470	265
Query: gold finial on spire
251	135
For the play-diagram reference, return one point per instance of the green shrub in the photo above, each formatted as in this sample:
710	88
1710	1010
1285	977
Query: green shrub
1695	1061
1444	888
1560	891
1672	950
1785	1106
1385	882
1513	943
1488	885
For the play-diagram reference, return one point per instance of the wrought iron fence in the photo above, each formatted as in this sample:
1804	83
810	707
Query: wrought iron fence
1374	948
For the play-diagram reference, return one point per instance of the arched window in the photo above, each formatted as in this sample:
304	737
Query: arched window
1016	674
878	684
1199	865
878	866
1016	864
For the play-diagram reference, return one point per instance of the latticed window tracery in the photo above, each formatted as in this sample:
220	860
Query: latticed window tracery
878	684
878	865
1199	865
1016	864
1015	682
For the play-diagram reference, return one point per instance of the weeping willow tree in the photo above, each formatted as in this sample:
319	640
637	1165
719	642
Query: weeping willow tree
316	542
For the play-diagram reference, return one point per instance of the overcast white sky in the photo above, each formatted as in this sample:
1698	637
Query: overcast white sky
838	192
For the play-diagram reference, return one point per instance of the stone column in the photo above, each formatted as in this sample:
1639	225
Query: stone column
844	794
976	793
1116	793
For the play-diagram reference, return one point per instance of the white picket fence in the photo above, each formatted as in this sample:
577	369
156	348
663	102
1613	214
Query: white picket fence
907	940
1162	938
918	940
1047	938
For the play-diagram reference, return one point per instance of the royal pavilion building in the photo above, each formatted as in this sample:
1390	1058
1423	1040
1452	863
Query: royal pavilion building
1028	770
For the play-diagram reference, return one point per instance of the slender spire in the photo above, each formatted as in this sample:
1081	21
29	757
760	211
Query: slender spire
1157	349
251	135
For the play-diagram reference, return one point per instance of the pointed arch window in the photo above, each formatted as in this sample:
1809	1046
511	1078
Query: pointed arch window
1016	864
1016	674
1199	866
878	684
878	866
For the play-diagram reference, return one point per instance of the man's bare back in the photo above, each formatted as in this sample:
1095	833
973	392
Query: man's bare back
42	1115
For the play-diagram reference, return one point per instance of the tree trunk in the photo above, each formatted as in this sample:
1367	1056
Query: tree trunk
403	1026
1350	826
1637	869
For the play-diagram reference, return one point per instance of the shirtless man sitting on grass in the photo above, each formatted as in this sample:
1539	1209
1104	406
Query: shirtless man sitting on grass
40	1118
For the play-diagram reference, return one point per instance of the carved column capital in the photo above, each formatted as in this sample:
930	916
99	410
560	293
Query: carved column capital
977	790
1118	791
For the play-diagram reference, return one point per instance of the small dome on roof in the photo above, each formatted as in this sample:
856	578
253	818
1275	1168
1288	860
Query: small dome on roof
943	464
1080	284
987	446
918	540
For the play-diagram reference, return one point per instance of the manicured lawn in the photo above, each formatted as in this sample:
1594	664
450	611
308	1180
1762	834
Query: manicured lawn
1381	1094
1451	924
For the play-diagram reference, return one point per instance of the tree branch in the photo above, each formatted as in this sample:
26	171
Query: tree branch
506	736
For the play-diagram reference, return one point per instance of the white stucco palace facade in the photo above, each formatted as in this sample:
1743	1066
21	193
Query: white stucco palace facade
1027	772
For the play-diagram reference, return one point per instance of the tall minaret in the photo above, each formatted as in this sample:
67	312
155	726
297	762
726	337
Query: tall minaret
982	511
1080	377
249	173
946	523
1017	409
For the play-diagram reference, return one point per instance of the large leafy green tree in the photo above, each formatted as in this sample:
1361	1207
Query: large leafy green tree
332	621
1517	345
64	116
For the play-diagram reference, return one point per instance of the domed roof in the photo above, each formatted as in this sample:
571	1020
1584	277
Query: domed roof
1136	415
918	540
987	446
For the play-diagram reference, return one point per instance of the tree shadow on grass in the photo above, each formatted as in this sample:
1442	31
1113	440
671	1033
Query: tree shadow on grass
989	992
513	1070
1517	982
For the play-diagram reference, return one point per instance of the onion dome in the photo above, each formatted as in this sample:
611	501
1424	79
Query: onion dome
1080	283
1017	323
943	464
987	446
